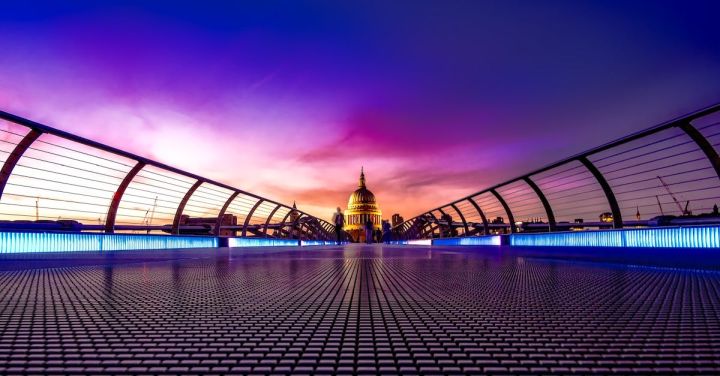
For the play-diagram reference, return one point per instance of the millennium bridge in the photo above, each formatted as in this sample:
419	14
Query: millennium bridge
604	262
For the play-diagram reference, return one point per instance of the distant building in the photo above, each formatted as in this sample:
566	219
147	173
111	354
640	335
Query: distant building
228	220
205	225
606	217
361	208
397	220
577	221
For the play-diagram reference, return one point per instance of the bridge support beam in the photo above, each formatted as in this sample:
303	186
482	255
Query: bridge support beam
117	197
437	221
704	145
267	222
462	218
181	206
612	201
249	215
426	223
505	206
544	201
283	223
15	156
418	223
294	227
482	215
224	208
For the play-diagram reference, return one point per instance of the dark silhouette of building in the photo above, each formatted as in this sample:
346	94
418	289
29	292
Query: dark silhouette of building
397	219
293	222
205	225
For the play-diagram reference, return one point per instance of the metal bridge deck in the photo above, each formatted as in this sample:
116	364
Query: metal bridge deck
357	309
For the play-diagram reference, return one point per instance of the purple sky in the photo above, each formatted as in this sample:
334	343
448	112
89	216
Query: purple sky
288	99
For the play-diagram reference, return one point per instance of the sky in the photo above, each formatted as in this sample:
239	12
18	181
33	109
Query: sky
288	99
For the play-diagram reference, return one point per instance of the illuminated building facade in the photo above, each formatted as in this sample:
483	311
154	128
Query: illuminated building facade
361	208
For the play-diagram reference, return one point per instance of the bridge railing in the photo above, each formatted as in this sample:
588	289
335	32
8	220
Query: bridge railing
665	175
53	180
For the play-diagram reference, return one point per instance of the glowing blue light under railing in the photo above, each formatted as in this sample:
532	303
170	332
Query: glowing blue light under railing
470	240
412	242
261	242
305	243
23	242
664	237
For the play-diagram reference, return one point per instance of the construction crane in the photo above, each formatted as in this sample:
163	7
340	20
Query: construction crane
152	214
659	205
684	211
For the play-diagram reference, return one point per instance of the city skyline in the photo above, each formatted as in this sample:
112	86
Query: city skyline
292	108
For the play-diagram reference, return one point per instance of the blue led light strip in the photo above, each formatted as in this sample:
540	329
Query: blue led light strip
664	237
261	242
472	240
412	242
305	243
23	242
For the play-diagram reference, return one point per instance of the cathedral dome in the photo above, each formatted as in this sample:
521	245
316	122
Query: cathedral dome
362	208
362	196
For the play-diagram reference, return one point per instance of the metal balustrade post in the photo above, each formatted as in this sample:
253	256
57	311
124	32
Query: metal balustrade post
437	221
250	214
544	201
295	224
486	228
181	207
15	156
407	228
282	223
313	230
443	214
612	201
422	232
462	218
430	226
412	229
329	230
318	228
704	145
117	197
505	206
430	232
302	231
218	222
309	230
323	231
404	229
267	222
420	223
